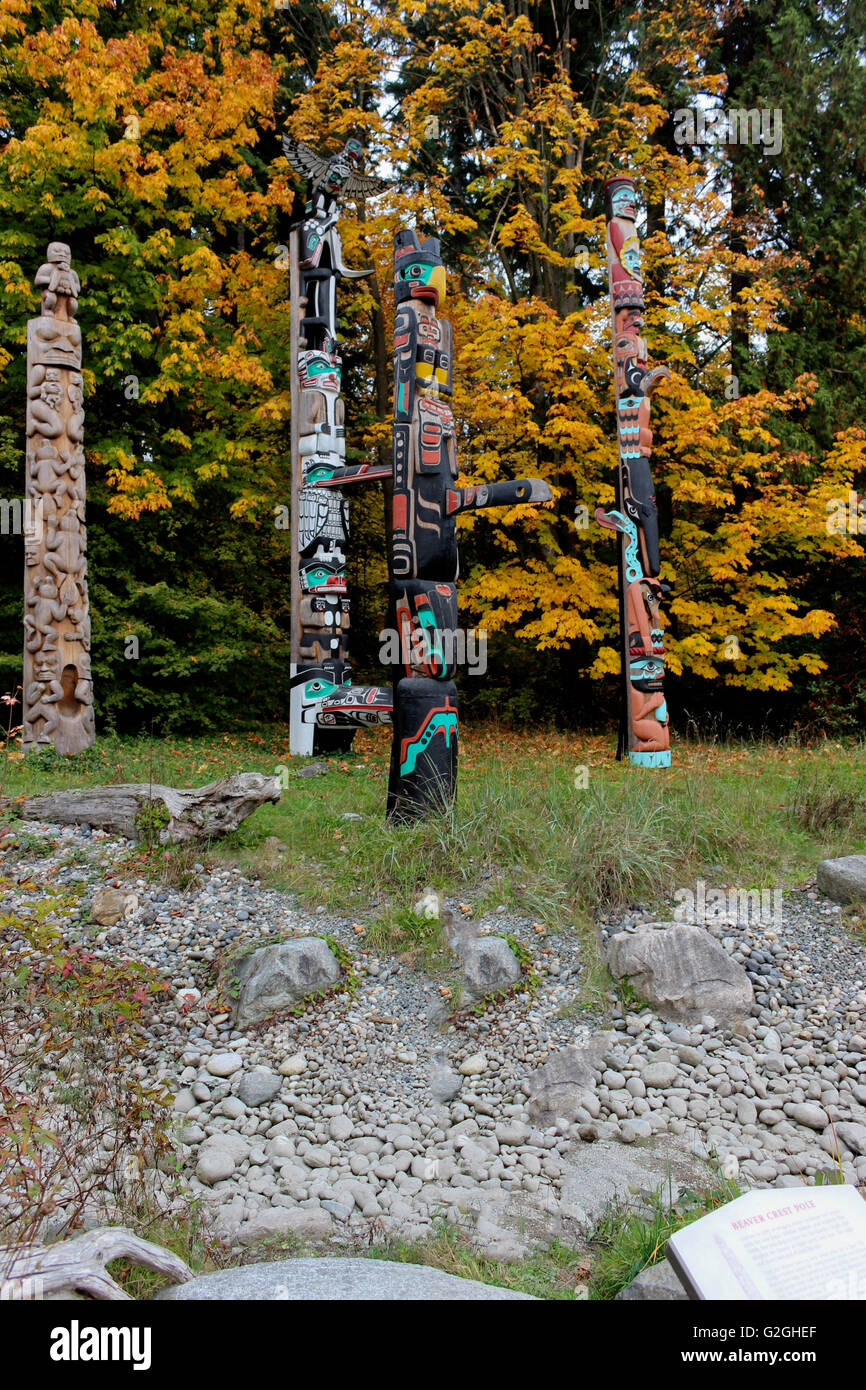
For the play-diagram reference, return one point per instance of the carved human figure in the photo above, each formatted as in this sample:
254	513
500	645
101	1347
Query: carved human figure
642	616
45	392
41	699
41	623
46	468
54	342
75	423
79	614
58	282
64	555
648	707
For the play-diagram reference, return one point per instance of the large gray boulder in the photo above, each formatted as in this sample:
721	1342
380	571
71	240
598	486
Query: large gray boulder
608	1172
681	970
853	1136
843	880
489	965
276	978
259	1087
557	1089
219	1155
334	1280
657	1282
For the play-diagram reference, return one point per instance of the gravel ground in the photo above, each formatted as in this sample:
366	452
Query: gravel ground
372	1112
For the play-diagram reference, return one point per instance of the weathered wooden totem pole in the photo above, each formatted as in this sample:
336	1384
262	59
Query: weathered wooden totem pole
644	733
325	707
424	560
57	686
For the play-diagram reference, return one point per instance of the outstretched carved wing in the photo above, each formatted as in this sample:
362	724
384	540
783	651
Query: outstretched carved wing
365	183
304	160
314	167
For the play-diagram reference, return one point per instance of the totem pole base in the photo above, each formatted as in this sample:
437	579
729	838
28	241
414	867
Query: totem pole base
660	759
424	751
301	735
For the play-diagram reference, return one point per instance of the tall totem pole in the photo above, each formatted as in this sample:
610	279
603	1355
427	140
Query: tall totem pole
57	687
325	708
644	733
424	560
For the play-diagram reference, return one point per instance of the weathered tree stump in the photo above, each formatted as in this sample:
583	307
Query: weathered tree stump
76	1268
142	810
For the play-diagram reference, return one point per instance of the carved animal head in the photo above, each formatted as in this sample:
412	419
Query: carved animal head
353	153
58	253
418	269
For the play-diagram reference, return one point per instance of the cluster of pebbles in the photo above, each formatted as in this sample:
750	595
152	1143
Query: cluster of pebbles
367	1113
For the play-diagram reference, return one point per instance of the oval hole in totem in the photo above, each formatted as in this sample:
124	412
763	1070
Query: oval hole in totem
69	680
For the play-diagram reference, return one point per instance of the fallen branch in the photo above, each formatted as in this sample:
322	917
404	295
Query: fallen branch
77	1267
142	810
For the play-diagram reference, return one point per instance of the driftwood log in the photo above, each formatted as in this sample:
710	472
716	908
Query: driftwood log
76	1268
142	810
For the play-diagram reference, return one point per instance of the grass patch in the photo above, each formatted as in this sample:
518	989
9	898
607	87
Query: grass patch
854	918
191	1240
419	939
553	1273
171	866
825	802
629	1239
524	832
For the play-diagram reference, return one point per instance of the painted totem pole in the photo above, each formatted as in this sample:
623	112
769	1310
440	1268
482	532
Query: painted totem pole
424	561
325	708
644	733
57	686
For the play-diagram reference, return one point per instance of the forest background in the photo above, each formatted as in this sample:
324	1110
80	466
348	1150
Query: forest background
148	136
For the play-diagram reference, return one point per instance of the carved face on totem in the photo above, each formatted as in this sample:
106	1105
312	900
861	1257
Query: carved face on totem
52	391
319	370
647	675
326	570
316	467
55	342
46	670
354	154
59	254
627	350
418	270
622	200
